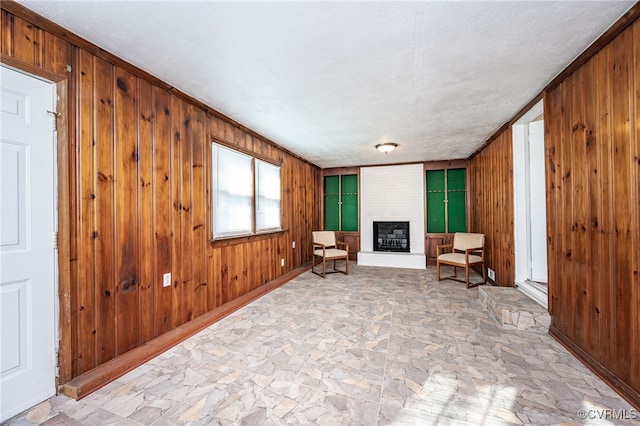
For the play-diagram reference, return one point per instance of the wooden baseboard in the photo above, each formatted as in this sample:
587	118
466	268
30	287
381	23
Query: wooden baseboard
94	379
623	389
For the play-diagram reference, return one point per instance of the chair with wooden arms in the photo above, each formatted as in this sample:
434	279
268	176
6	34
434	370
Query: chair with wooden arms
325	248
466	251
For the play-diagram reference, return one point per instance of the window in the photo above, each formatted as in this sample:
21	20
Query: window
267	196
236	186
446	201
341	203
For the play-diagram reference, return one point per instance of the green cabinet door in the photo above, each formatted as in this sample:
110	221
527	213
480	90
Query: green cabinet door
446	201
332	203
349	196
456	200
435	201
341	203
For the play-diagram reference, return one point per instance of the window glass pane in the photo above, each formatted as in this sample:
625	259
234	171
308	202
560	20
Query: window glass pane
267	196
232	192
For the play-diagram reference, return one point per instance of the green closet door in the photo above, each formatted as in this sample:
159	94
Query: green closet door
349	202
332	203
457	200
435	201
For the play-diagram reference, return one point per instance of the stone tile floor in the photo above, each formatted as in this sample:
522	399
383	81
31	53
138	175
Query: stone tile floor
381	346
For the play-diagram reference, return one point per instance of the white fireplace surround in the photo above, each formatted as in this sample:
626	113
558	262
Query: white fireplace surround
392	194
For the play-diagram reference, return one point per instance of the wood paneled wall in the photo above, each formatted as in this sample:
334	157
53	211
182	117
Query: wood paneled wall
140	200
491	204
592	122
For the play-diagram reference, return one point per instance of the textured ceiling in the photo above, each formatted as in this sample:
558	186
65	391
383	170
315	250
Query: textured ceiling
329	80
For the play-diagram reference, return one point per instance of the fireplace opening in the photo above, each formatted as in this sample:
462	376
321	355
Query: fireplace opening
391	236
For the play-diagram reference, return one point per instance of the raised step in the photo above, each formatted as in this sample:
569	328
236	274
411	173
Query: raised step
513	310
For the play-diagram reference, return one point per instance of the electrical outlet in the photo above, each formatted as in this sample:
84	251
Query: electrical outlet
491	273
282	262
166	280
293	244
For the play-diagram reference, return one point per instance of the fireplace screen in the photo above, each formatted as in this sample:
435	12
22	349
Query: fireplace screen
391	236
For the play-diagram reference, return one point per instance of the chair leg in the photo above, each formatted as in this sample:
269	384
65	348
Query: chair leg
438	270
346	263
484	273
324	268
455	271
467	275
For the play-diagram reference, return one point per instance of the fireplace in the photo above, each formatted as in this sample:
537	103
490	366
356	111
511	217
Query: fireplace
391	236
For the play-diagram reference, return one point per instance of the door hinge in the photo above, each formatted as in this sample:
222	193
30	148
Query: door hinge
55	240
55	119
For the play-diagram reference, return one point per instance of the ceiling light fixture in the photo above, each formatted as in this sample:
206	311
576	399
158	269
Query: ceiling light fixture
386	147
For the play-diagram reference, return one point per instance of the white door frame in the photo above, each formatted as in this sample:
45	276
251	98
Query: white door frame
522	215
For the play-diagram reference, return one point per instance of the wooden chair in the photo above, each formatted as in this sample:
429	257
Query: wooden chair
326	248
466	251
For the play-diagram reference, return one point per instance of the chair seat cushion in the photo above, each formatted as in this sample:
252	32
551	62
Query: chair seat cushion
331	253
459	258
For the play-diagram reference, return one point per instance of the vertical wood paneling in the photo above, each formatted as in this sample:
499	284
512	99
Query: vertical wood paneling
127	226
186	214
592	251
86	236
147	271
57	54
6	33
621	60
104	213
603	232
592	121
635	201
25	44
176	210
162	210
491	199
198	226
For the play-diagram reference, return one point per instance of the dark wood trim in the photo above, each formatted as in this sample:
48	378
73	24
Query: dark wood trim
227	144
493	137
22	12
26	67
407	163
232	241
337	171
446	164
94	379
625	20
624	390
65	355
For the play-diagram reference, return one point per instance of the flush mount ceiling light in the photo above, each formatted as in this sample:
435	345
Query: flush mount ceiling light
386	147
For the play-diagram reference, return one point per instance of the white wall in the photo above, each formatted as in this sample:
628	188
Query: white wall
392	193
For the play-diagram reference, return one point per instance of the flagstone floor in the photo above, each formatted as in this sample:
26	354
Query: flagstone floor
381	346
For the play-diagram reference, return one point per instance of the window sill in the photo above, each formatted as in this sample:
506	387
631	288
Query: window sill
231	241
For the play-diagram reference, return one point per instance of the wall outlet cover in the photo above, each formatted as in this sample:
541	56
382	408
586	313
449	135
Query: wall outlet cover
491	273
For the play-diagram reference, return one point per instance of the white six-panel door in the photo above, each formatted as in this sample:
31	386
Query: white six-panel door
27	269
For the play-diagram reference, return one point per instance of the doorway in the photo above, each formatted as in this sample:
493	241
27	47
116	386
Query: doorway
530	221
28	287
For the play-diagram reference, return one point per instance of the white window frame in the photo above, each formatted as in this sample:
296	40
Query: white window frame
245	182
